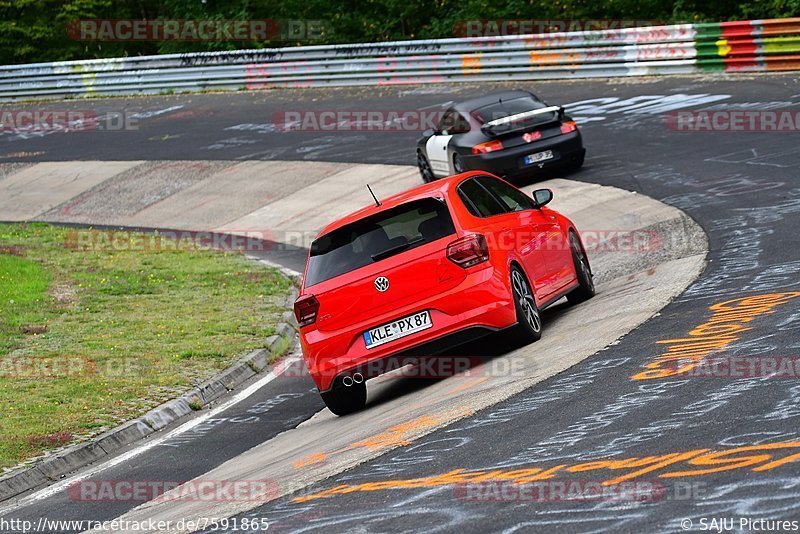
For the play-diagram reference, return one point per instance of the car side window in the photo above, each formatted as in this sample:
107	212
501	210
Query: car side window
511	197
452	122
478	200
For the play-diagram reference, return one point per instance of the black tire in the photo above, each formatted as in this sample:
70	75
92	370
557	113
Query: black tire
577	163
343	400
529	321
583	272
457	166
424	168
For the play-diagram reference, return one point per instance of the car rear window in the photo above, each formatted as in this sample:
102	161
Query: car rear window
377	238
506	108
453	123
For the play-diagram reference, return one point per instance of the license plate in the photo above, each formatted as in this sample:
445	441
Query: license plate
397	329
539	156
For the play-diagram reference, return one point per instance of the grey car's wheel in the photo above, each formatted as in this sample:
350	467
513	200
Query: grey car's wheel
424	168
583	272
457	165
577	163
529	321
343	400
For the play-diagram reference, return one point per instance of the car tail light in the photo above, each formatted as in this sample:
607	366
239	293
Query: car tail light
305	309
468	251
569	126
488	146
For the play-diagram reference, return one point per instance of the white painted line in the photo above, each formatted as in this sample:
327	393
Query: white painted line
439	106
148	114
239	397
285	270
419	496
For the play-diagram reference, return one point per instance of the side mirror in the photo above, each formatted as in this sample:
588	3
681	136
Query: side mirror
542	197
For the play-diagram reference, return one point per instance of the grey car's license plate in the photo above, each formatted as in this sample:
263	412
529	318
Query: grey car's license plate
538	157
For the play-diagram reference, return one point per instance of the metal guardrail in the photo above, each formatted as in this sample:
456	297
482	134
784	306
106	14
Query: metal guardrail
744	46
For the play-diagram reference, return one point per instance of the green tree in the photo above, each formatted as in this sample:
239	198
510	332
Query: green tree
37	30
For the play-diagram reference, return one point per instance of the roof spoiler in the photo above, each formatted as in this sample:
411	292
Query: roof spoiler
524	115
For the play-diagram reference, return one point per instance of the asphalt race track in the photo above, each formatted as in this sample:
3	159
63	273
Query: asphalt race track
659	432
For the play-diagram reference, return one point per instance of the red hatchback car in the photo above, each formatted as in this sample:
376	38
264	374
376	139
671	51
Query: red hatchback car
429	269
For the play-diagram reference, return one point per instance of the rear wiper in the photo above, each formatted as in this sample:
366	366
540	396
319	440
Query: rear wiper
394	250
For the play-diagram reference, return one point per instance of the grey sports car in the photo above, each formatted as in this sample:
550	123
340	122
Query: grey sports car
510	134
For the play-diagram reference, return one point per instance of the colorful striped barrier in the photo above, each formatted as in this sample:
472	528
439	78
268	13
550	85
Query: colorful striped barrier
749	46
741	46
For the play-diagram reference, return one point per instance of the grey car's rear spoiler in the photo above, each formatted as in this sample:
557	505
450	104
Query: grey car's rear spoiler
523	115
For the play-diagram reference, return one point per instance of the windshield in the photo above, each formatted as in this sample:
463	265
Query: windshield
377	238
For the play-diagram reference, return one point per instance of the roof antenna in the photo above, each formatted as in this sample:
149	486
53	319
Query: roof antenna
373	196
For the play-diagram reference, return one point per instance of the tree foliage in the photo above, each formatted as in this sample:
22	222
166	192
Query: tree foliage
36	30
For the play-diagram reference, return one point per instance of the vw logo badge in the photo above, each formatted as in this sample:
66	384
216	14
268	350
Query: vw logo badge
381	283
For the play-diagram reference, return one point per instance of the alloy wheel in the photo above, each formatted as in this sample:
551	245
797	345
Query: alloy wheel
524	296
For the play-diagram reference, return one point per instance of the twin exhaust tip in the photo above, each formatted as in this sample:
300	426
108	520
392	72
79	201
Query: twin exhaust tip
357	378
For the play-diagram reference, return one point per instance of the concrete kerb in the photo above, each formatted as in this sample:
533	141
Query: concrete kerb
54	467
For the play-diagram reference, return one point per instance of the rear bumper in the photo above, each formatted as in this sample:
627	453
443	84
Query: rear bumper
509	162
480	304
418	354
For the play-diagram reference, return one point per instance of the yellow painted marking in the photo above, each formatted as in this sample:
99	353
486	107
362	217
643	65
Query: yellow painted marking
728	321
468	384
723	48
470	64
537	58
738	458
398	435
311	459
